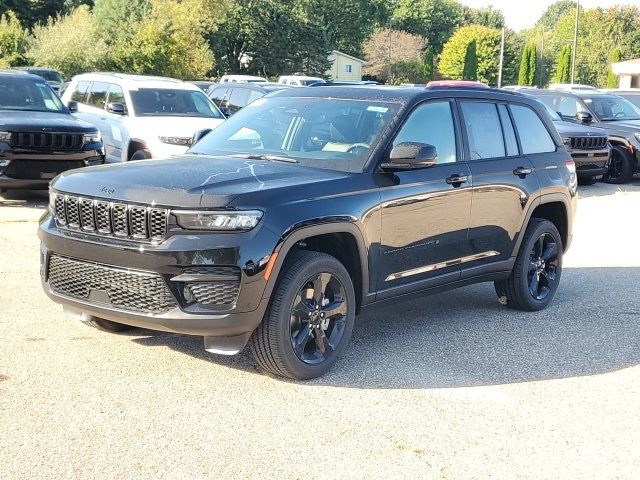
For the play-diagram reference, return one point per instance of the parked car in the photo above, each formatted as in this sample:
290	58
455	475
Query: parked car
52	77
299	80
231	97
308	206
38	136
632	94
242	79
569	87
202	84
616	115
142	117
589	147
343	83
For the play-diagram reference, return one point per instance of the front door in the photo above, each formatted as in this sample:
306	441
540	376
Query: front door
425	213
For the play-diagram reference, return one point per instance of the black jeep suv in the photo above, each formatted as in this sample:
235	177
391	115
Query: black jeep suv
307	206
38	137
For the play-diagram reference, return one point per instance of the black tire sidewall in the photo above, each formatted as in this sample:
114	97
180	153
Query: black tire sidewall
141	154
287	290
626	167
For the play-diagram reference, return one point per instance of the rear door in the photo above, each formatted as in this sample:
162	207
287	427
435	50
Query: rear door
425	213
503	182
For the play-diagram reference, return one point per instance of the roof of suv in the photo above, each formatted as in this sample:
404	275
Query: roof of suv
20	74
135	82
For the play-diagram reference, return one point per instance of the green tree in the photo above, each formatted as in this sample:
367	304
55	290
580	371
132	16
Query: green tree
554	12
527	72
12	41
612	78
37	12
434	20
563	66
487	40
470	68
486	16
429	67
392	56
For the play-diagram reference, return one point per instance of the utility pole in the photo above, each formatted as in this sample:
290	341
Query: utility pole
501	59
389	59
575	43
541	73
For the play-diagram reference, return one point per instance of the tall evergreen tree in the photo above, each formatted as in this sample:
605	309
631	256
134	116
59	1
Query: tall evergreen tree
563	66
612	78
470	70
527	72
428	63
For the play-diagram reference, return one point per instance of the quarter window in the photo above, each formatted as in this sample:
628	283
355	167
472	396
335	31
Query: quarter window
484	130
431	123
507	129
81	92
534	136
237	99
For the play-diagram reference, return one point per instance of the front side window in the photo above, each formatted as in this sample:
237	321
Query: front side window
484	130
168	102
26	94
81	92
116	95
610	108
98	94
237	99
335	134
534	136
431	123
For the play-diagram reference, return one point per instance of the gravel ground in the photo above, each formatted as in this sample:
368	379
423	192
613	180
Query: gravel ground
449	386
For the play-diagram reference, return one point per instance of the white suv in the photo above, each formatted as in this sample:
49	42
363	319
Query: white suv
141	117
299	80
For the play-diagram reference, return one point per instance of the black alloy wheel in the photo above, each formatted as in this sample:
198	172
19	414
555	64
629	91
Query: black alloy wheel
620	168
543	267
318	318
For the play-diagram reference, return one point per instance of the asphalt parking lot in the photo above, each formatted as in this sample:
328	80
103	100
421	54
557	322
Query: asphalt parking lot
449	386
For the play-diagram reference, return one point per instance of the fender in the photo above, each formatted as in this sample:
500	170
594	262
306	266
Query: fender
125	151
299	232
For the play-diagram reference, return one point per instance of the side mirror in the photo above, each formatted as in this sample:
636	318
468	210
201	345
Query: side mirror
411	155
199	135
584	117
117	108
72	106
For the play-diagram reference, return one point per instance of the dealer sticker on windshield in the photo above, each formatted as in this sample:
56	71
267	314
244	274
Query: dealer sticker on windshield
372	108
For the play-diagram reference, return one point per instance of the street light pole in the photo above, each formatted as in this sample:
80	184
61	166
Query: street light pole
575	43
501	59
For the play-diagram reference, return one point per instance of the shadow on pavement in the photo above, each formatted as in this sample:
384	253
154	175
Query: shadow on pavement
602	189
24	198
465	338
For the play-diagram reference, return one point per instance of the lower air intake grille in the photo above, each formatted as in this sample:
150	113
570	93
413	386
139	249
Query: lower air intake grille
143	292
221	292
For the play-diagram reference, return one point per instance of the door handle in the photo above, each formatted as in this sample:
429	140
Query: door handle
456	180
523	171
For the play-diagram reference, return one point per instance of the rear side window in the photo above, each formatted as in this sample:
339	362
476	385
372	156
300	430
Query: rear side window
534	136
484	130
510	141
237	99
217	95
81	92
98	94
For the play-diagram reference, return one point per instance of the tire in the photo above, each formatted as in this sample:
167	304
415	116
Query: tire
517	291
272	343
140	155
621	166
587	181
107	325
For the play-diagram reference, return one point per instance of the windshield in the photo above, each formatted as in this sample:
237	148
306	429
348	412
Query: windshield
612	108
48	75
336	134
632	97
165	102
25	94
552	113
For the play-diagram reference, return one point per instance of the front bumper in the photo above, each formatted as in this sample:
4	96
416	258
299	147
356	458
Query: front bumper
169	259
591	163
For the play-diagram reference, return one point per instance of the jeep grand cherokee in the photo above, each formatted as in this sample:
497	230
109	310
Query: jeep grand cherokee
309	205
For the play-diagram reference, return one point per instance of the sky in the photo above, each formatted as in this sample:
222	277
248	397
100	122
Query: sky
521	14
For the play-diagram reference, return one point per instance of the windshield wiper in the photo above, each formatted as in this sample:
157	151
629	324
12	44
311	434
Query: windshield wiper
270	158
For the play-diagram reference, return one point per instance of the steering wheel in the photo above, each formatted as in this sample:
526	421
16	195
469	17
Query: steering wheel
619	115
353	148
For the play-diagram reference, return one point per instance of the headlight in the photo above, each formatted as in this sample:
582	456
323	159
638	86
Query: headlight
219	221
186	141
5	136
567	142
52	201
93	137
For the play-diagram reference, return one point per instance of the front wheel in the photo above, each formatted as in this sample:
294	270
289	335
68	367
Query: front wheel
536	274
621	166
309	320
141	154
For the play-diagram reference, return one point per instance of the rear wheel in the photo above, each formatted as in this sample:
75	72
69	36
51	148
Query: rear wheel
309	320
107	325
536	274
621	166
141	154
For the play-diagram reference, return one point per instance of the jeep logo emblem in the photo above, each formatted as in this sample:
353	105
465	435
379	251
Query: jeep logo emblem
107	190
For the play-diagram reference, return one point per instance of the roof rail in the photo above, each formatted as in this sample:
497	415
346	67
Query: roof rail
465	84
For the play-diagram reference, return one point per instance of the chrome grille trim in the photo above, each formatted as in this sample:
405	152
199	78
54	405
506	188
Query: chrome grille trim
112	219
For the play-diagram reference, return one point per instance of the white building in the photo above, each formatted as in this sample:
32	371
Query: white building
628	73
344	67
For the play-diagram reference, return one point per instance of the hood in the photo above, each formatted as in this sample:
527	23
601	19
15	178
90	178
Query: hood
570	129
171	126
632	126
188	181
25	121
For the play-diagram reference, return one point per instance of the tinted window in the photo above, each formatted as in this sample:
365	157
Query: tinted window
484	130
217	95
166	102
431	123
568	106
507	129
254	95
534	136
116	95
238	99
29	95
81	92
611	108
98	94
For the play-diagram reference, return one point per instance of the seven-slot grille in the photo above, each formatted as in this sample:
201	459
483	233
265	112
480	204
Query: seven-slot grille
588	143
47	140
111	218
131	290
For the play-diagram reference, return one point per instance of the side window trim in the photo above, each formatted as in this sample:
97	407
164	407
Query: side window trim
504	133
456	129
